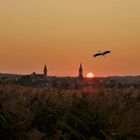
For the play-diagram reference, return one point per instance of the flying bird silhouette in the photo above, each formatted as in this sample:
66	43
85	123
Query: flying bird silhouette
101	53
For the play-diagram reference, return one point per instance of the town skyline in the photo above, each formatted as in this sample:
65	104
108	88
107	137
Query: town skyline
78	73
45	72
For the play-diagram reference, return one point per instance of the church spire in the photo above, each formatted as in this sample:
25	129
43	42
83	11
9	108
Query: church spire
80	71
45	71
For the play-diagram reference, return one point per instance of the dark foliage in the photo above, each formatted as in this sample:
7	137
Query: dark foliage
28	113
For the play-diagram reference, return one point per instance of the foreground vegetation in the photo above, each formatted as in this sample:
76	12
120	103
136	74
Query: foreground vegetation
28	113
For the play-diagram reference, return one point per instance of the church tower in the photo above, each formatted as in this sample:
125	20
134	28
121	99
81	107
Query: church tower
80	71
45	71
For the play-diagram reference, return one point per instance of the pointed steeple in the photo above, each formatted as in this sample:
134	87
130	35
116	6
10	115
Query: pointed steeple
45	71
80	67
80	71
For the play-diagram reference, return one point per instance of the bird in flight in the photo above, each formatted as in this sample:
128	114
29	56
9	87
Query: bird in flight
101	53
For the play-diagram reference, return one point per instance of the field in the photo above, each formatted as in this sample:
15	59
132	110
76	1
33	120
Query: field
30	113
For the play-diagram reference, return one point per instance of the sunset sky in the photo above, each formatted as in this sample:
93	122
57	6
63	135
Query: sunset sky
63	33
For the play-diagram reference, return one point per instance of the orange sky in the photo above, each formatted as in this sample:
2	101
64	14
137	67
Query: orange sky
63	33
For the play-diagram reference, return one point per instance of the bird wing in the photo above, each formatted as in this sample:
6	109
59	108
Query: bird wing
97	54
105	52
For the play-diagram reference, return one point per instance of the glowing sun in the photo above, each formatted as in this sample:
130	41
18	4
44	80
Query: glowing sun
90	75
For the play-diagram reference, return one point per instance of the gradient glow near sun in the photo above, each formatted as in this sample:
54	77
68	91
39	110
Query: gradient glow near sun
90	75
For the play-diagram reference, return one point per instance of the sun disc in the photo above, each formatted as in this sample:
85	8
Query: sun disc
90	75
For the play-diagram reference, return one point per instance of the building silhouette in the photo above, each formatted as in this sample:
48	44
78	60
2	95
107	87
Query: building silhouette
40	77
80	72
45	71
